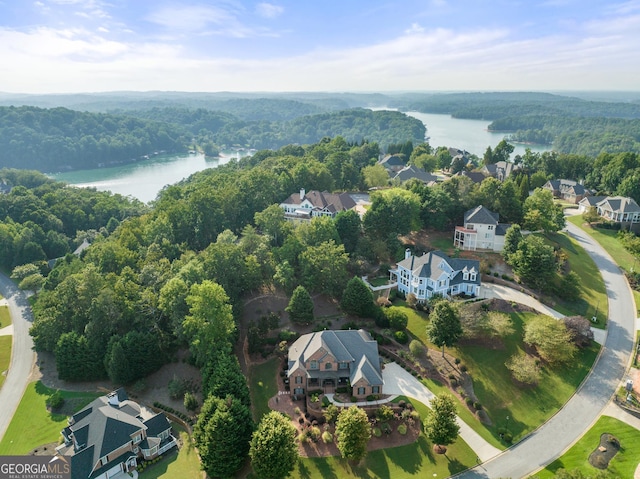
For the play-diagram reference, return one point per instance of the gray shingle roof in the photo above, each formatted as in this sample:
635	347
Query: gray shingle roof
481	215
619	204
409	172
334	202
345	346
429	266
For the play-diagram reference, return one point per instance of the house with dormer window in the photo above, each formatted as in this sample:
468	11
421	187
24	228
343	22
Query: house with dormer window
481	230
329	359
304	206
435	274
108	436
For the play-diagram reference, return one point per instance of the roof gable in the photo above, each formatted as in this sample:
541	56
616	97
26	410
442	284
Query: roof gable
481	215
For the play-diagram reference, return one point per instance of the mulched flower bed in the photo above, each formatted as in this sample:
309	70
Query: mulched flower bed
606	450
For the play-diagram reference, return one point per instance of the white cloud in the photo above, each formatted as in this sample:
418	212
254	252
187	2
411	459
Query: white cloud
269	10
415	28
190	18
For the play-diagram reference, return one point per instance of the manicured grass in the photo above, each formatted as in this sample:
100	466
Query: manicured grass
32	425
526	407
263	386
183	463
415	460
5	317
609	241
5	356
593	294
500	397
624	462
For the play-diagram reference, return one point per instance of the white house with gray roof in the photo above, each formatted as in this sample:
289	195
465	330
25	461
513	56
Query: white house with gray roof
434	274
304	206
617	209
481	230
329	359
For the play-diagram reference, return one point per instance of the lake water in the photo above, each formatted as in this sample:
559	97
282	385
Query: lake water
144	179
469	135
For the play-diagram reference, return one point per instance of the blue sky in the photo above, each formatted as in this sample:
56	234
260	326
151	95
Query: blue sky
57	46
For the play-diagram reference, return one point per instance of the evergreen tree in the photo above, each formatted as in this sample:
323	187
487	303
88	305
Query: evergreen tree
300	306
357	298
273	450
512	239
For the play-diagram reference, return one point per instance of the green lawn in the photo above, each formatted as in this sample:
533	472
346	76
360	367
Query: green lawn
5	356
593	294
527	408
183	463
410	461
5	317
32	425
263	386
609	241
622	465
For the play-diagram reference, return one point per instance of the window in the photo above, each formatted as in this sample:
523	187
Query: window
136	450
361	391
375	389
313	364
490	227
298	379
473	276
103	460
465	276
327	366
343	366
470	226
137	439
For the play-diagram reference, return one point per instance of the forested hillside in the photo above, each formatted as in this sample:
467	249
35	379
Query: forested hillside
61	139
571	125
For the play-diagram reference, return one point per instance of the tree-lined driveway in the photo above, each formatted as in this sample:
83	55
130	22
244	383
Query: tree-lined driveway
549	441
22	355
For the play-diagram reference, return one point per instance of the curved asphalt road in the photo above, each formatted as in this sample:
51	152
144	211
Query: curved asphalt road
549	441
22	355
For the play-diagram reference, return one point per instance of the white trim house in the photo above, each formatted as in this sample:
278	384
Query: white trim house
435	274
305	206
481	230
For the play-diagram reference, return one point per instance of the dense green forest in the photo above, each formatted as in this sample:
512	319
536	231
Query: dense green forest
57	139
571	125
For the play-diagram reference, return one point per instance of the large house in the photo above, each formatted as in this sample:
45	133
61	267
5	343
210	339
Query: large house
568	190
392	163
434	274
329	359
501	170
410	172
109	435
617	209
305	206
481	230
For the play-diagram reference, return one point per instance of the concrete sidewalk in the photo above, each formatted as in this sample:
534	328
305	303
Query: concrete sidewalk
489	290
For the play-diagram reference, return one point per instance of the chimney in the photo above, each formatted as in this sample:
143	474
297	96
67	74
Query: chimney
407	253
302	194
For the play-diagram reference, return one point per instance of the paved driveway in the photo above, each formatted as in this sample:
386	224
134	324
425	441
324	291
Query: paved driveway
549	441
400	382
22	355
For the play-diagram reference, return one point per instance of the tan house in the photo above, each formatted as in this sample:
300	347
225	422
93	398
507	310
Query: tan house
329	359
568	190
617	209
303	206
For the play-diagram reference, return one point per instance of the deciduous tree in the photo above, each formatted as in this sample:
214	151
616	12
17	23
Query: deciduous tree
444	328
551	338
353	433
440	425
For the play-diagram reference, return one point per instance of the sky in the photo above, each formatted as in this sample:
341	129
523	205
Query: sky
67	46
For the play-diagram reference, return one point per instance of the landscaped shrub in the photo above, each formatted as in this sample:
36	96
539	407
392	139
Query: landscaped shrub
190	401
454	382
402	429
469	401
463	368
55	401
416	348
456	360
401	336
376	432
386	428
325	401
327	437
477	406
384	413
314	433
